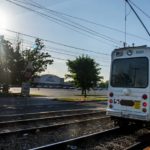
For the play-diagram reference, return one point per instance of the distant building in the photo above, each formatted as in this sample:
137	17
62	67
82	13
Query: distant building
49	80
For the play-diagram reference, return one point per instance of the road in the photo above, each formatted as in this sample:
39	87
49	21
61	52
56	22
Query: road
17	105
56	93
23	105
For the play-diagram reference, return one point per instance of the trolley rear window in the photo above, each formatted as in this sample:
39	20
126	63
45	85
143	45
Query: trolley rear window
130	72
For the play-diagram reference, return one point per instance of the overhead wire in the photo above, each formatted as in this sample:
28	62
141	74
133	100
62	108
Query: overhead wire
62	53
50	50
138	17
67	60
33	3
54	49
58	43
72	47
87	35
147	15
72	24
57	14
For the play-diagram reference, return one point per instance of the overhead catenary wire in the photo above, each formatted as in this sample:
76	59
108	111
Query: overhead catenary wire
103	42
50	50
31	2
138	17
29	44
53	51
88	29
147	15
74	56
58	43
67	60
77	26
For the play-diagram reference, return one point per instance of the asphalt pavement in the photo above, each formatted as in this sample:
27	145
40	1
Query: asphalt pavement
17	105
56	93
22	105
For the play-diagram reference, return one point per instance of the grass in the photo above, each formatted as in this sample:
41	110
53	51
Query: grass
18	95
76	98
81	98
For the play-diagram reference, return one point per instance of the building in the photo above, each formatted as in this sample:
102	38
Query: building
49	80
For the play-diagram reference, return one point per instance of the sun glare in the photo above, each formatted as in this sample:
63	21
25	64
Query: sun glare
4	19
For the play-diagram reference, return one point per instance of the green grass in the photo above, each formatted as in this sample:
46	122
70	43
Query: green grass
18	95
81	98
76	98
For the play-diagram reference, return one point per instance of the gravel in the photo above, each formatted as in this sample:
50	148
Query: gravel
39	138
117	142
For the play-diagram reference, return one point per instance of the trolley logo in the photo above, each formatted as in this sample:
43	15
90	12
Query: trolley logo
116	101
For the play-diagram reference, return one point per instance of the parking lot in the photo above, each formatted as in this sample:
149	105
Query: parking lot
56	93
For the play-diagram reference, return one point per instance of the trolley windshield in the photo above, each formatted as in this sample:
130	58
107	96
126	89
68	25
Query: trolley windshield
130	72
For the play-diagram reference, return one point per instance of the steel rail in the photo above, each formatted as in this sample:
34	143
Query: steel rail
28	115
74	142
50	127
139	145
81	142
51	118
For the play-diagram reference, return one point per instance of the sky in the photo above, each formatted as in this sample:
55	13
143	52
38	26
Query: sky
70	28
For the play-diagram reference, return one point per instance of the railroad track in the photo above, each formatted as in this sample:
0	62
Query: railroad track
48	133
75	142
44	114
139	146
89	141
77	120
40	124
49	127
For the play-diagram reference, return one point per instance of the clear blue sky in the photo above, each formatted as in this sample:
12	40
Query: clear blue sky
109	13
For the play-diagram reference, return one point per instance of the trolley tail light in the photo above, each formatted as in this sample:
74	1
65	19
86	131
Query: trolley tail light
144	110
144	104
111	94
144	96
110	106
110	101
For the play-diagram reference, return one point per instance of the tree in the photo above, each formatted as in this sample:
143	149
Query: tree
6	60
36	58
18	66
103	84
14	62
85	73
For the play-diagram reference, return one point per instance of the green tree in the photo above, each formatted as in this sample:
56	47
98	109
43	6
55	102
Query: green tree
14	62
18	66
85	73
37	58
103	84
6	60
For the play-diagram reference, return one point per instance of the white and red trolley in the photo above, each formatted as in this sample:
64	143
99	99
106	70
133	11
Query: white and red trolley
129	85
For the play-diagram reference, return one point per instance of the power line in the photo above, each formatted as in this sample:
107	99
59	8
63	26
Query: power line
148	16
72	24
59	58
85	20
56	14
58	43
67	60
138	17
55	50
52	51
58	52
